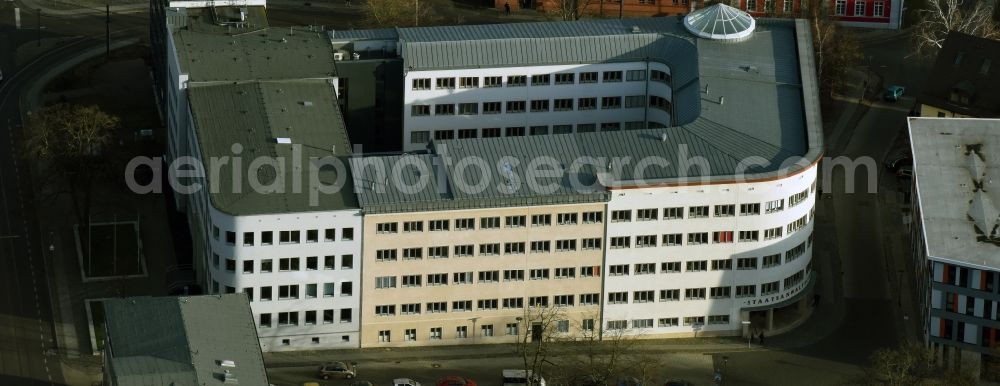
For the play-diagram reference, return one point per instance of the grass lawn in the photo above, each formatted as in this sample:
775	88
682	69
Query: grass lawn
97	321
114	251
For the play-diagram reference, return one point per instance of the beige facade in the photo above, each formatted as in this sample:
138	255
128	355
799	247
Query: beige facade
931	111
413	298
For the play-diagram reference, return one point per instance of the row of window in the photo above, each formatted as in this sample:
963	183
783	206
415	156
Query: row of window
287	264
561	78
492	222
485	331
487	304
309	318
742	263
424	136
285	237
482	277
540	105
700	238
840	7
705	211
751	5
489	249
292	291
724	292
666	322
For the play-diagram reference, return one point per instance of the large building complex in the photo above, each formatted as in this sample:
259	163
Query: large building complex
955	236
651	175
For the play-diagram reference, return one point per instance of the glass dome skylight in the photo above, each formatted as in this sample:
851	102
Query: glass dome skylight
720	22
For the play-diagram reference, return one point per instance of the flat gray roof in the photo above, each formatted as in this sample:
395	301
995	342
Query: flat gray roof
182	340
959	219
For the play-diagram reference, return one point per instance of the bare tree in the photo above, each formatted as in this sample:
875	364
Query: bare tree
911	364
835	50
74	144
404	13
570	10
943	16
541	327
597	357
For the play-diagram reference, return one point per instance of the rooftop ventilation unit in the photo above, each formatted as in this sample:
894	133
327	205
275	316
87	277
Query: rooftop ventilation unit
227	363
229	378
338	56
307	103
635	29
356	56
283	140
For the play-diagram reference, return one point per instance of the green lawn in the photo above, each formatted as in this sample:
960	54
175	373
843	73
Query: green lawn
114	251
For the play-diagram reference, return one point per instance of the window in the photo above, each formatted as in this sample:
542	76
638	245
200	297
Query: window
612	102
247	239
719	292
771	261
540	246
436	307
635	75
617	324
385	255
694	293
796	279
461	305
633	101
539	130
462	332
588	77
538	301
859	8
347	234
265	265
621	216
769	288
670	267
746	236
461	277
346	288
288	264
288	318
786	6
413	253
310	291
643	296
265	293
445	83
437	279
774	206
541	219
562	129
517	80
515	221
539	274
645	241
288	237
795	252
290	291
696	266
541	80
247	266
586	103
749	209
410	334
267	238
230	265
718	319
421	136
468	82
515	131
772	233
489	276
562	300
409	309
384	336
745	291
513	248
565	245
698	211
797	198
489	249
444	109
486	330
347	262
646	214
565	78
422	84
591	243
265	320
745	263
489	223
438	225
468	108
590	271
492	81
612	76
385	310
420	110
587	299
539	105
513	275
659	76
725	210
752	5
592	217
769	6
409	280
620	242
514	107
722	237
673	239
670	295
697	238
618	297
512	329
566	272
722	265
797	224
330	235
386	227
666	322
465	250
513	303
563	104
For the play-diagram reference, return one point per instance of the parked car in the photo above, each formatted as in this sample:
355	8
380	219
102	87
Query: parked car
454	380
521	377
894	163
337	370
893	93
405	382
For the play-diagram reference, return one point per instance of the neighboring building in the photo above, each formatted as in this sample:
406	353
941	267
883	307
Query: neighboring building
237	90
955	239
608	89
879	14
965	81
192	340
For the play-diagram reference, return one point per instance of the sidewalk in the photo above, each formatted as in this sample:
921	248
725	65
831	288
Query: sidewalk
47	10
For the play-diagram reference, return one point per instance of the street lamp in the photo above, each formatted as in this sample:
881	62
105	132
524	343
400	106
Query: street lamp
517	329
474	329
749	335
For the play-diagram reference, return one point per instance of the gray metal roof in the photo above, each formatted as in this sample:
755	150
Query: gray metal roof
254	115
950	157
751	100
176	340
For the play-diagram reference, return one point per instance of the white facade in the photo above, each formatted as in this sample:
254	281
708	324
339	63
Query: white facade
695	266
316	278
419	129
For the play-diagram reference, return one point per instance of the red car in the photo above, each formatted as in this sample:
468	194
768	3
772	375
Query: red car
454	380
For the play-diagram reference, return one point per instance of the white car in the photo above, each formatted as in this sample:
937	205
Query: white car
520	378
405	382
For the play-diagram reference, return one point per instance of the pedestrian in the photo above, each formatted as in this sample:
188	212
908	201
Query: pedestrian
761	337
506	8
